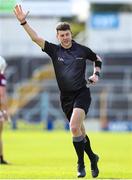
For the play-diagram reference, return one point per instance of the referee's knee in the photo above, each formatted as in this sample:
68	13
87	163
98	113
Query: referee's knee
75	130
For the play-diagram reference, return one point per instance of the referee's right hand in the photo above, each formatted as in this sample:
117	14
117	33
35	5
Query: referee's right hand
20	14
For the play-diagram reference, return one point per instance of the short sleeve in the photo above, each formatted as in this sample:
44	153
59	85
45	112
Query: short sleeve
90	55
49	48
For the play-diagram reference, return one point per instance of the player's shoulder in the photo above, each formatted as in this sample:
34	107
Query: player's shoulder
2	76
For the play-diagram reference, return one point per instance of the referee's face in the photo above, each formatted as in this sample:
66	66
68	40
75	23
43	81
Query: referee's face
65	38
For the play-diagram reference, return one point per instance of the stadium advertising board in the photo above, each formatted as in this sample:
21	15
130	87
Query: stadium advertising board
104	20
110	32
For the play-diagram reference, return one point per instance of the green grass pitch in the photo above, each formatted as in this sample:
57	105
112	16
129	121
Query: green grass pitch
50	155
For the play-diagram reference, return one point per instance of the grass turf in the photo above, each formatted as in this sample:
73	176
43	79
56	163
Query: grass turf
50	155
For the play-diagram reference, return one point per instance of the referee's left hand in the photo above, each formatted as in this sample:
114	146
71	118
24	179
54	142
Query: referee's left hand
93	79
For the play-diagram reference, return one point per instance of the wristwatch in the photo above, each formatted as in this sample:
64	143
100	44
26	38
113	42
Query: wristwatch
97	73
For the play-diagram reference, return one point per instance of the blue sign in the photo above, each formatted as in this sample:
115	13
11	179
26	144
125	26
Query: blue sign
120	126
104	20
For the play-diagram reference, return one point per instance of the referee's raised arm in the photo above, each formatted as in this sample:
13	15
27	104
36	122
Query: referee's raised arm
21	16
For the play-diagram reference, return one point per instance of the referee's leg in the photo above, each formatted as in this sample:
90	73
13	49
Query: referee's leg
92	156
76	121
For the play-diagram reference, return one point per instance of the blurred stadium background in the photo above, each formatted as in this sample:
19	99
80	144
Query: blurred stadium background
103	25
106	27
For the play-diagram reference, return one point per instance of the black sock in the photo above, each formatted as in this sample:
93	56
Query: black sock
78	143
88	149
1	158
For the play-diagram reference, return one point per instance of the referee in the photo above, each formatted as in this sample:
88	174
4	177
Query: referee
69	61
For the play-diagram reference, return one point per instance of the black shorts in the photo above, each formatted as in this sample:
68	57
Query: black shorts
75	99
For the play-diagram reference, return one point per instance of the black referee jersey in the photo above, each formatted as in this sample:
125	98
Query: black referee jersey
69	64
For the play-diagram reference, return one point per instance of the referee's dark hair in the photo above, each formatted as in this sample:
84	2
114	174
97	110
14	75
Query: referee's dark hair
63	26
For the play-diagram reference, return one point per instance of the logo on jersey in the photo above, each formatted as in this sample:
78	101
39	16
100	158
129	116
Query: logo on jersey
60	59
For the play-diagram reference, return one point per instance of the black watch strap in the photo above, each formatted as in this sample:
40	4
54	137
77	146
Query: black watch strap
97	73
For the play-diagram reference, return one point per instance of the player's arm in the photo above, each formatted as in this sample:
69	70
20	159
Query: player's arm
3	102
96	71
21	16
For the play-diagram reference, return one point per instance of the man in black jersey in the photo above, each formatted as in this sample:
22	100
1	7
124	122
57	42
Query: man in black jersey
69	61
